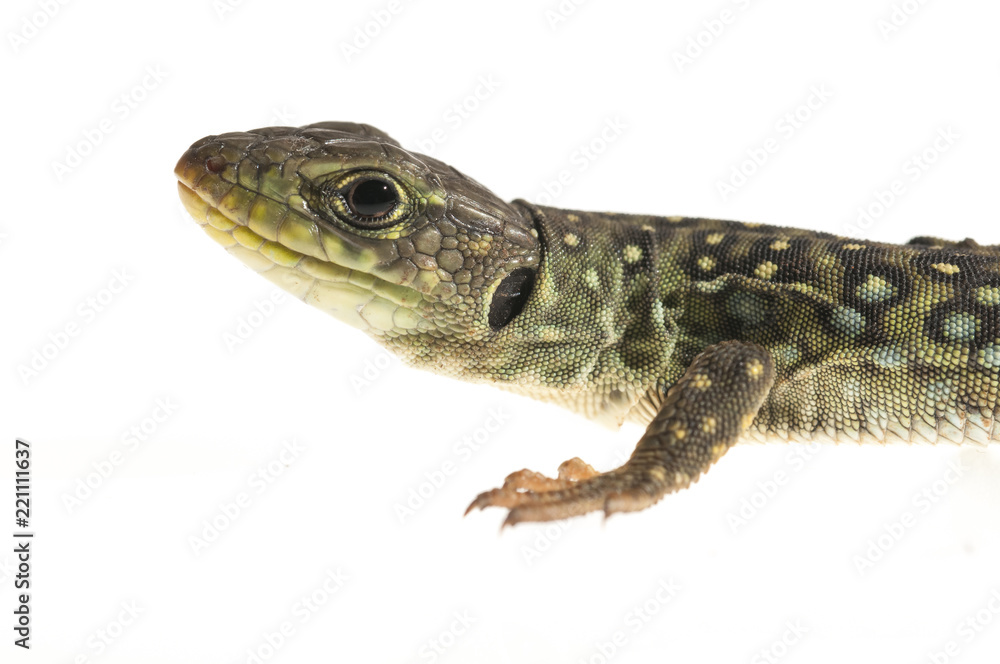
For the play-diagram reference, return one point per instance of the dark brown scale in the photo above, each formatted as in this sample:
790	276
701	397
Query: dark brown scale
973	269
793	263
694	264
858	272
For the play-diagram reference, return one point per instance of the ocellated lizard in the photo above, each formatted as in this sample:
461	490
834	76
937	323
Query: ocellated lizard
708	331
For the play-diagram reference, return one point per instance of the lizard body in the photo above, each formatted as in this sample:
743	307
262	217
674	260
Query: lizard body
707	331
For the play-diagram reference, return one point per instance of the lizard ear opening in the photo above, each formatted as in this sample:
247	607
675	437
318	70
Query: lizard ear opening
510	296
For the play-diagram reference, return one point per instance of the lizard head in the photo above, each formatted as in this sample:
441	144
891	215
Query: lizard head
400	245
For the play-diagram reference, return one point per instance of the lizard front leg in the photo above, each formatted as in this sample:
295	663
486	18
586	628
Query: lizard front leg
701	417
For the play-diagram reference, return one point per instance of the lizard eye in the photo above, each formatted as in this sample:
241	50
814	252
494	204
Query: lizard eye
510	296
367	200
371	198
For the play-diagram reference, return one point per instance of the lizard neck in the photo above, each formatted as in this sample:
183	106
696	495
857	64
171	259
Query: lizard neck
597	313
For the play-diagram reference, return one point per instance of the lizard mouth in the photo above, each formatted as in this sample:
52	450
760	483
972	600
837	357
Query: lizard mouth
267	228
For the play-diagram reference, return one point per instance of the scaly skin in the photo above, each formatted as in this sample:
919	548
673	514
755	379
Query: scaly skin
708	331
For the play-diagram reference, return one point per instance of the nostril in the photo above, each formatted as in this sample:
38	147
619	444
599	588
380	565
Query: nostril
215	164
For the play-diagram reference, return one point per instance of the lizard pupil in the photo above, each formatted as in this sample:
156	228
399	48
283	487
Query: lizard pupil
510	296
372	198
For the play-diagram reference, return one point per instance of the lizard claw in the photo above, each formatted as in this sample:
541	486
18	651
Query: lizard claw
579	489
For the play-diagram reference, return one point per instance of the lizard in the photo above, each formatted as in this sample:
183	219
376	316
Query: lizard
706	331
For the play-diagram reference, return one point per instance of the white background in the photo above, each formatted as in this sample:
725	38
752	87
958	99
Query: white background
558	593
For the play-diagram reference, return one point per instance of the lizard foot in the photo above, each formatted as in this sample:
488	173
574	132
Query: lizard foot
577	490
